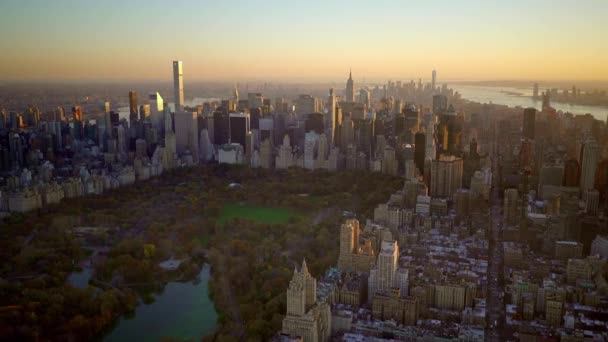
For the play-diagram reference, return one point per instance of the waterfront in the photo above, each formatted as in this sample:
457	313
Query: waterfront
522	97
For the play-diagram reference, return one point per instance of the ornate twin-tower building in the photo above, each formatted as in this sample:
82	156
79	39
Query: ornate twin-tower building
306	317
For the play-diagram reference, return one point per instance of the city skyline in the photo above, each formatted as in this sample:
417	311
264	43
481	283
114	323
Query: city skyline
226	41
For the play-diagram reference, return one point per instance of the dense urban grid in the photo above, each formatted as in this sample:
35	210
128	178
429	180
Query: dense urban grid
498	230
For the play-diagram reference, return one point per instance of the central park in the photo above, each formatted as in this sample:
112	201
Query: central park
212	248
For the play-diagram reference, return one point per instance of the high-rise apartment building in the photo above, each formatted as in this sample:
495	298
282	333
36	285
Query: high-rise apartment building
305	317
178	85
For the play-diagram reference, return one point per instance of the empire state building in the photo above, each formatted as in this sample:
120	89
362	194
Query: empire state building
350	88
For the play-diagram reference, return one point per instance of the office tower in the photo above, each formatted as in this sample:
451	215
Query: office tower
239	128
431	149
235	93
255	100
255	115
572	173
132	105
221	127
178	85
529	123
106	107
266	160
535	91
305	318
592	200
330	118
365	97
411	116
347	133
590	159
434	80
186	133
511	213
449	134
144	112
306	104
446	176
440	104
77	114
157	107
121	134
364	135
314	122
350	88
419	151
409	163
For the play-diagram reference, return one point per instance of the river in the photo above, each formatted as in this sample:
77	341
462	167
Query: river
182	311
521	96
509	96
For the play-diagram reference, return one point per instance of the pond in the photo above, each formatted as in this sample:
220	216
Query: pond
181	311
80	279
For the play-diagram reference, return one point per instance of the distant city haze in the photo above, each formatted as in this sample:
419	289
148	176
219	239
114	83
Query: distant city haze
303	40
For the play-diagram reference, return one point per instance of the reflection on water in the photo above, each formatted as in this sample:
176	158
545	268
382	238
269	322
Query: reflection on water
508	96
182	310
80	279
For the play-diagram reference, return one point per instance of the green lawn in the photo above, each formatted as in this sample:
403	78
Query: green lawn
253	213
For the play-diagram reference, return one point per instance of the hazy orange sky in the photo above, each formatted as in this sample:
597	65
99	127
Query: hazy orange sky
303	40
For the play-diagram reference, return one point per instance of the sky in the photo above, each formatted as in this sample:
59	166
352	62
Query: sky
316	40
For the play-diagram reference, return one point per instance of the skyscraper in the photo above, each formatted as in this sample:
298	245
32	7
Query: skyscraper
440	104
364	97
305	318
419	151
178	85
529	122
132	105
446	176
591	156
330	117
434	80
235	93
186	133
157	107
350	88
306	104
239	127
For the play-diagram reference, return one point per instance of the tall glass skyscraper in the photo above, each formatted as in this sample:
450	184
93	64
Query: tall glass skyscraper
178	85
